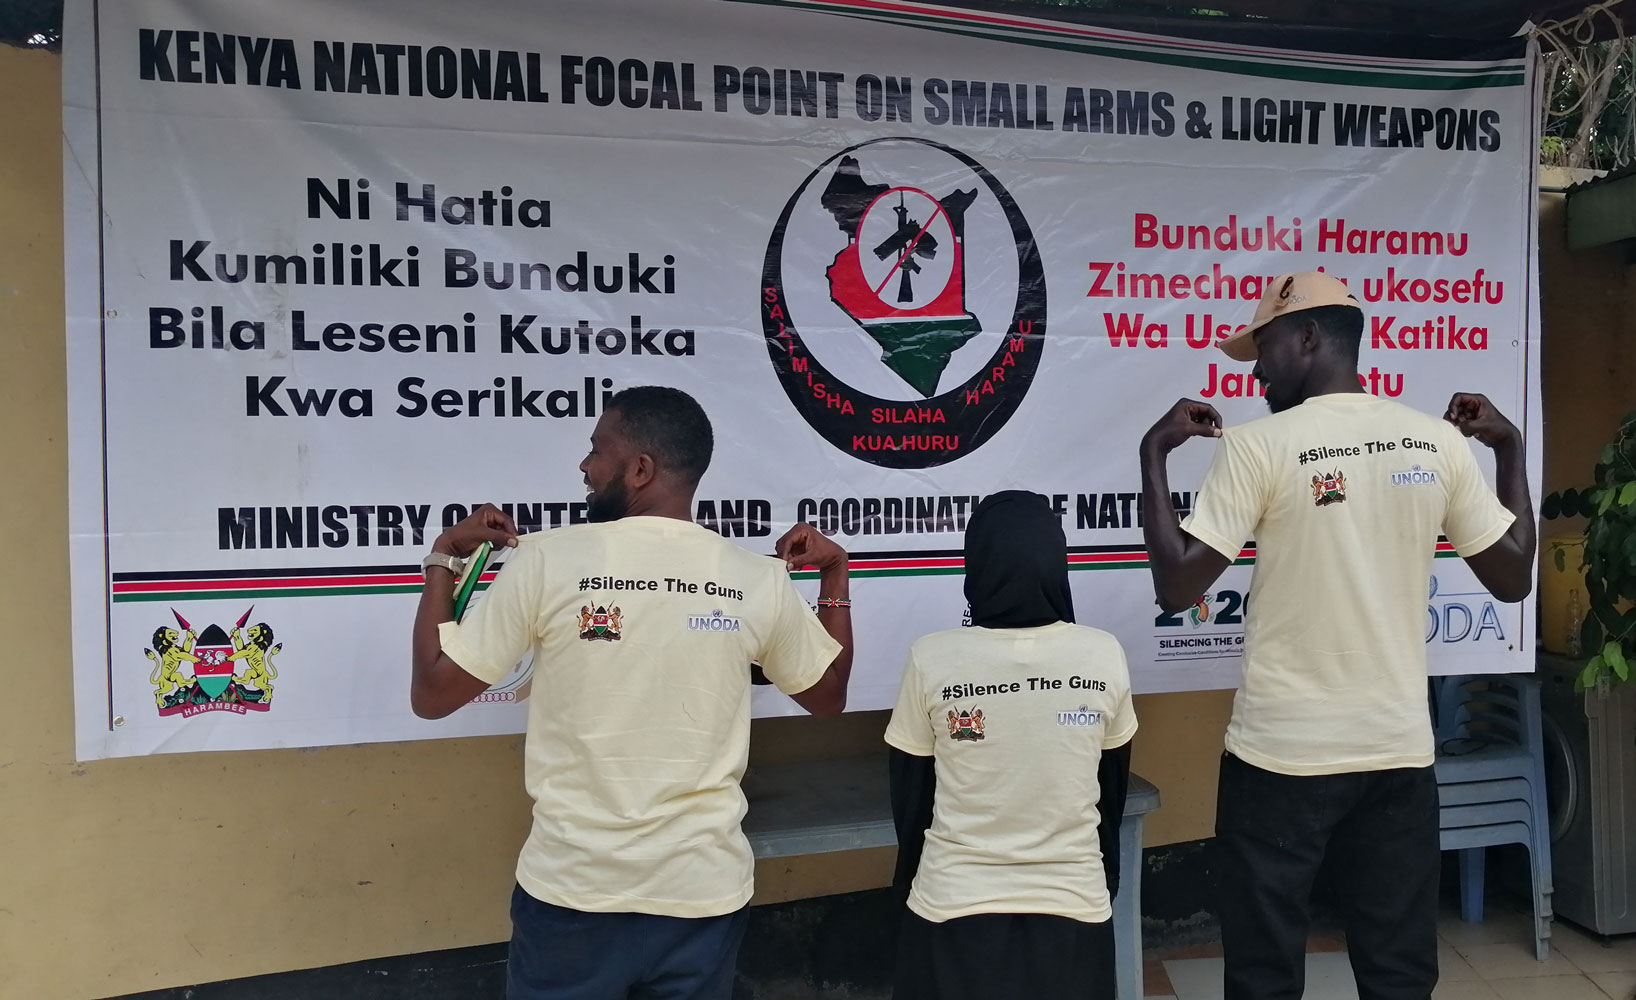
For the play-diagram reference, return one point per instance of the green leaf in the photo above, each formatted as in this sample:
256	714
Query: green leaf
1606	502
1627	496
1614	655
1588	677
1561	558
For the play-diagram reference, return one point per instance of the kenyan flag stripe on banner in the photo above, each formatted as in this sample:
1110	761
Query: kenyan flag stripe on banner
864	565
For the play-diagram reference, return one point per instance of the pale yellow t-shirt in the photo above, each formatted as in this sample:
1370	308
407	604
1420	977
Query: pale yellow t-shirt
1017	720
1345	496
643	632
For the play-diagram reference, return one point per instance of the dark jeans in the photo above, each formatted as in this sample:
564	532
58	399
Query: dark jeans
1379	829
563	954
1004	956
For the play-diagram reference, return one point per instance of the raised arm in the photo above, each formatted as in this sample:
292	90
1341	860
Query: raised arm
439	685
1183	566
804	545
1505	568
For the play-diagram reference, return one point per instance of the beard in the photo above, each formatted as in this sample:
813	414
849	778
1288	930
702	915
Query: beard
1277	400
610	503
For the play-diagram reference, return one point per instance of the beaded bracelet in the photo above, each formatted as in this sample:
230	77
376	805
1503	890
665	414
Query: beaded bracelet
834	602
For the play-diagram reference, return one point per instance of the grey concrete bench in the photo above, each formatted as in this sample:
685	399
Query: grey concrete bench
842	805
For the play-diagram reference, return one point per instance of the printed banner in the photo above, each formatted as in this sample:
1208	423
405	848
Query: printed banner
339	273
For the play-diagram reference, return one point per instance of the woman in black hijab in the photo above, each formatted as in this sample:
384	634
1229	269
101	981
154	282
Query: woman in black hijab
972	929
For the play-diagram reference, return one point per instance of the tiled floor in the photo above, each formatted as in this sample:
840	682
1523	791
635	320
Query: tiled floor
1493	960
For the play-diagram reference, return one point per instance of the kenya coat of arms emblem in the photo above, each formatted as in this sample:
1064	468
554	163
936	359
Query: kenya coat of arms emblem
599	623
1328	489
214	656
965	725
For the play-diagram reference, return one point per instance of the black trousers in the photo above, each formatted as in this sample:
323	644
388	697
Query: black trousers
1004	956
1379	829
563	954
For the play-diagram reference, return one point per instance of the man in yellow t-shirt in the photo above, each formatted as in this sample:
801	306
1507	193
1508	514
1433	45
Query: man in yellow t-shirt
1329	750
636	875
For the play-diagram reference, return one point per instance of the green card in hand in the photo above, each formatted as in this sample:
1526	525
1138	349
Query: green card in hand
466	586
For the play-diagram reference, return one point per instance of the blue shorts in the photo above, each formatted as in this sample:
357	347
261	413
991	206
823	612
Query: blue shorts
563	954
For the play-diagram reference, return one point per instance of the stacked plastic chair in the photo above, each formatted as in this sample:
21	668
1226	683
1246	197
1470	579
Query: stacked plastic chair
1491	784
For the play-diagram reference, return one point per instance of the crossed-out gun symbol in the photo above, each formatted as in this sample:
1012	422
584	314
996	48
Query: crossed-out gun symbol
910	240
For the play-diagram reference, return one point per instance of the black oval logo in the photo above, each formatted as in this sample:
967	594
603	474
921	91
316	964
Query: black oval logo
906	374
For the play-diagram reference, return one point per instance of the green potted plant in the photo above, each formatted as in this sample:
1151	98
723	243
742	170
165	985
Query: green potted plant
1609	631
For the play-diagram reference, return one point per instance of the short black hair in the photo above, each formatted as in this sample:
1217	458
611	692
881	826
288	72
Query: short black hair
669	425
1342	324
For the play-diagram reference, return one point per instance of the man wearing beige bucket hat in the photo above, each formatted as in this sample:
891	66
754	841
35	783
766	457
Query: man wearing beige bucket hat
1329	750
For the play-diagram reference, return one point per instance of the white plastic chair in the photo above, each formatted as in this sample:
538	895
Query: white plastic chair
1491	784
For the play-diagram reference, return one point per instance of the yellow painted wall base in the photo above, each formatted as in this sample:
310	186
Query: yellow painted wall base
1588	366
1178	748
779	880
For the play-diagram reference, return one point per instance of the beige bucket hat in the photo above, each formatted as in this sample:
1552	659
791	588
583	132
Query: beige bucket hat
1288	293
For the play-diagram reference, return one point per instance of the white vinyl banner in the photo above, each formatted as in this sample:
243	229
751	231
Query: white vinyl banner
337	273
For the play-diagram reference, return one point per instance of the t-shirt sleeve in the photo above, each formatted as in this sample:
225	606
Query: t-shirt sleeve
1121	727
1475	518
502	624
910	729
1230	502
797	650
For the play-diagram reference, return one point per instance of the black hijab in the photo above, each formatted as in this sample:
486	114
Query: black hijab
1017	563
